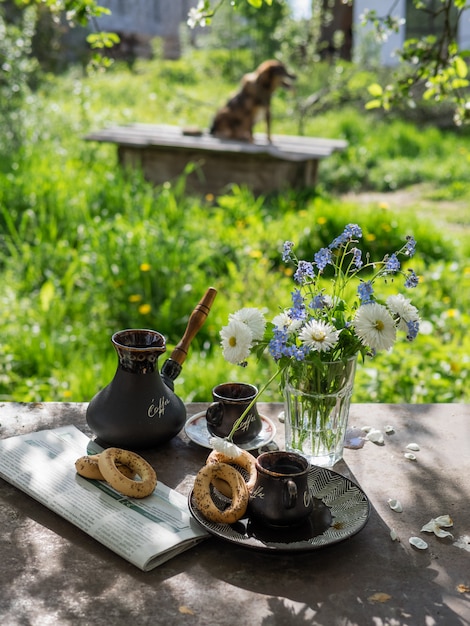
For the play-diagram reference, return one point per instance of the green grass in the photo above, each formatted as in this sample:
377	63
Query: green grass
87	249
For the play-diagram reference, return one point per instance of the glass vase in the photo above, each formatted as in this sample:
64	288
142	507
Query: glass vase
317	398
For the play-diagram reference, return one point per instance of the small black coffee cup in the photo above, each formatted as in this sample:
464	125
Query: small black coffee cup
230	401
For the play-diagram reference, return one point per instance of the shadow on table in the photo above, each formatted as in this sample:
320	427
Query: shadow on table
53	573
56	570
367	580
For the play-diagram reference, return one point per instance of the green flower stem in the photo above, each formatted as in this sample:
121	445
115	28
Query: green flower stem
252	403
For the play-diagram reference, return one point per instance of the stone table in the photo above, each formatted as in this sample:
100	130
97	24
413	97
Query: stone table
51	573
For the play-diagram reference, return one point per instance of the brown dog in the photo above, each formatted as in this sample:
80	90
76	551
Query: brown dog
236	119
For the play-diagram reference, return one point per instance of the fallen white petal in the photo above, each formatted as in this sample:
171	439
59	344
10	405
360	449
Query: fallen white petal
435	526
410	456
417	542
413	446
375	436
463	542
442	533
395	505
394	535
389	429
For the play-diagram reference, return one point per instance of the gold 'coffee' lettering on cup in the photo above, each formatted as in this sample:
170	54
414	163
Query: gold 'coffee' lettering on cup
258	492
307	498
245	425
158	410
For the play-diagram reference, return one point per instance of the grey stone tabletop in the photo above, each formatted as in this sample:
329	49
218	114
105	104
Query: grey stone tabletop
51	573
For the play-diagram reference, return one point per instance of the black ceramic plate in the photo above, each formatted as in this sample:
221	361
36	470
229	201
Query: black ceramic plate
341	509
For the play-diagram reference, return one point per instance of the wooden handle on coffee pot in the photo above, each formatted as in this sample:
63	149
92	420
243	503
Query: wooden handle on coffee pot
195	323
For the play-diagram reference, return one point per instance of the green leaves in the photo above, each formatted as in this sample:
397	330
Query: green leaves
460	67
377	91
258	3
46	295
432	66
103	40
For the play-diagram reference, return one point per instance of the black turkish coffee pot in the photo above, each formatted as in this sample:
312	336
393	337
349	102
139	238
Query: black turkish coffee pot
138	408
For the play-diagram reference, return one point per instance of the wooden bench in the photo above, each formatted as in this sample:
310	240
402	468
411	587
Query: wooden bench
163	152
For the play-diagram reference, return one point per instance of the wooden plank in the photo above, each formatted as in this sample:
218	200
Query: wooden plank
165	130
211	144
282	147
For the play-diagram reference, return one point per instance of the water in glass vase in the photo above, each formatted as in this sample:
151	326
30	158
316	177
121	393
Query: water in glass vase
316	402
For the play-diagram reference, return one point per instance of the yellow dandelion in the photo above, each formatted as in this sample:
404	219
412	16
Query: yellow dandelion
466	272
255	254
210	197
67	394
384	205
145	267
452	313
321	220
145	309
370	237
135	297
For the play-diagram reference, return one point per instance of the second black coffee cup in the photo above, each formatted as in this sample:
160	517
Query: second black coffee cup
281	495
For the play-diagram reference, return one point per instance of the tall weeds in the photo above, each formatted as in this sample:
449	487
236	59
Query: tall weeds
87	248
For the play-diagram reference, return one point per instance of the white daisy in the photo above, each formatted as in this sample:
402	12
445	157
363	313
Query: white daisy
331	302
426	328
236	341
319	335
401	307
283	320
375	326
225	447
253	318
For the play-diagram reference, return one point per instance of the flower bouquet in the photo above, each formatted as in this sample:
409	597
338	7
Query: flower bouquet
335	314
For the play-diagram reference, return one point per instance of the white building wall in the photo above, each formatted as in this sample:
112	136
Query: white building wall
148	19
464	31
396	40
393	42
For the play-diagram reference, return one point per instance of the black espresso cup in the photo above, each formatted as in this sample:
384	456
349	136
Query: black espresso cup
281	495
230	401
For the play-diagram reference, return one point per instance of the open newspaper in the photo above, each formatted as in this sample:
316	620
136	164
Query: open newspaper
147	532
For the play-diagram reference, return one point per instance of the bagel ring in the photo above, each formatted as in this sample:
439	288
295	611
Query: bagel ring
87	466
202	493
245	460
107	462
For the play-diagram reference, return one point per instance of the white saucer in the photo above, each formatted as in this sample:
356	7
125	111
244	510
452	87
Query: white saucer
196	429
